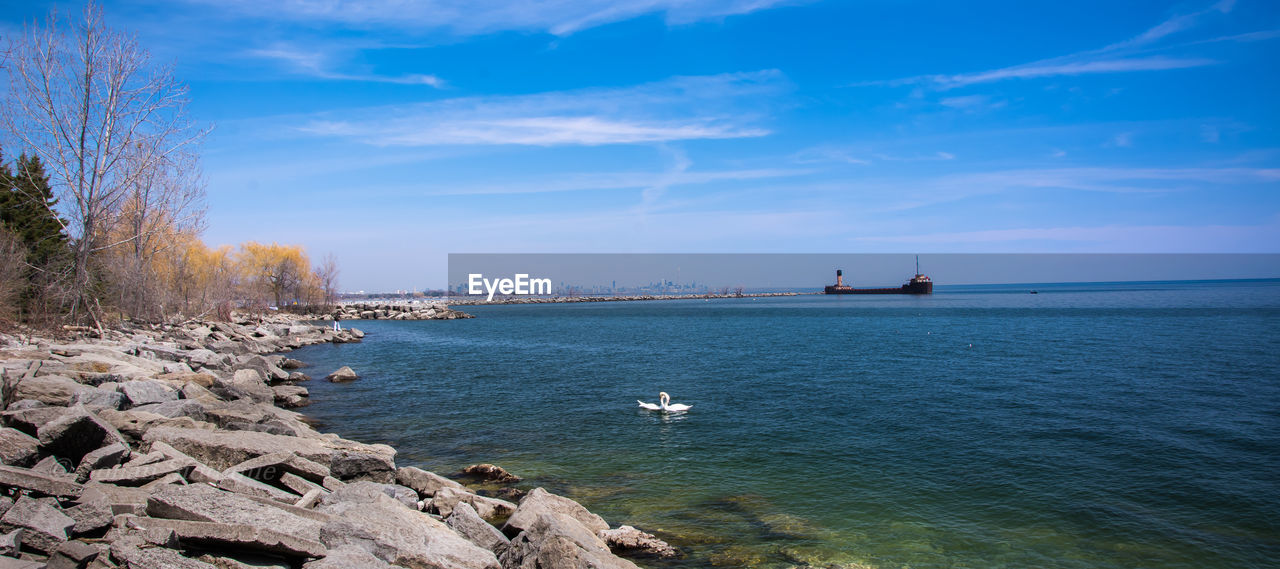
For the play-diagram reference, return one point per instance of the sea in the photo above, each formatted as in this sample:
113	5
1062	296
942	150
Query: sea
1088	425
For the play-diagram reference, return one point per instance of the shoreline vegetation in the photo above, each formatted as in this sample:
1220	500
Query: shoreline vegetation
178	446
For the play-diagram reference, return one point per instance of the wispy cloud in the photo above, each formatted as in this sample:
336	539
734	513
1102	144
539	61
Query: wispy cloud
319	65
681	108
1106	238
482	16
1129	55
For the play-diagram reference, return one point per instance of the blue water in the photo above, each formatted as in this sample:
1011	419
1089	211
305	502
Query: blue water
1095	425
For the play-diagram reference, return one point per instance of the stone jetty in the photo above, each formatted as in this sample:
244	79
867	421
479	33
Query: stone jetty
393	311
175	447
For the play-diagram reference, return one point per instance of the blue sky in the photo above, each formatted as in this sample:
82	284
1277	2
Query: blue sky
394	132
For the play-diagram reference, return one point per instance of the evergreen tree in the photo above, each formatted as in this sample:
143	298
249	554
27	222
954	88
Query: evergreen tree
30	214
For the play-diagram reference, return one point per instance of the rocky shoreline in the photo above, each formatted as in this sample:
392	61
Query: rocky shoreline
176	448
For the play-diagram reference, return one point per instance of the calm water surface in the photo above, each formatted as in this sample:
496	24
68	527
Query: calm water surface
1133	425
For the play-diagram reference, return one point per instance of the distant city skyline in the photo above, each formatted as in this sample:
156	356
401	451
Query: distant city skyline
393	134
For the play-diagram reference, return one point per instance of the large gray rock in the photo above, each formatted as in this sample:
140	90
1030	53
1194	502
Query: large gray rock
224	449
39	483
235	537
376	464
470	525
43	524
558	540
30	420
97	398
241	484
175	409
365	491
203	358
343	374
424	482
72	555
90	517
76	434
400	536
268	370
291	396
18	448
118	499
244	384
131	555
539	501
489	509
348	558
202	503
49	389
146	392
105	457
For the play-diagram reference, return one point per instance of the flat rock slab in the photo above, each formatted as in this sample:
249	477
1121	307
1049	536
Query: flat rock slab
224	449
222	537
44	526
175	409
130	555
139	475
45	484
348	558
400	536
374	464
147	392
270	467
206	504
105	457
18	448
119	499
49	389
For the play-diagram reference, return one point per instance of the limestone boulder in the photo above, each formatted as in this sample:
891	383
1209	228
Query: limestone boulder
631	541
49	389
342	375
470	525
400	536
539	501
202	503
97	398
139	393
76	434
559	540
348	558
18	448
424	482
44	526
490	509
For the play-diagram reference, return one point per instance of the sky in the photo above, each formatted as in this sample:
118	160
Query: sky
392	133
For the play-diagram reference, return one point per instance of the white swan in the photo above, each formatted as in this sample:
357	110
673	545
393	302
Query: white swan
664	404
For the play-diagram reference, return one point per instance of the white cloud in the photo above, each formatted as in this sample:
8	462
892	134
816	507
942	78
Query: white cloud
681	108
316	64
559	17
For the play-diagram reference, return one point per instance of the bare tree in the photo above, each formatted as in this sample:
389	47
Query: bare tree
327	273
91	103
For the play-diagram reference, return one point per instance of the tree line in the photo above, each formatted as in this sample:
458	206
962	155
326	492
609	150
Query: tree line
101	212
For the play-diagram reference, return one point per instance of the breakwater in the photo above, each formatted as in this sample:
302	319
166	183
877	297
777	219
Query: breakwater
178	447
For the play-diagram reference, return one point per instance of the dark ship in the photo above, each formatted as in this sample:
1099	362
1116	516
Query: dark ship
919	284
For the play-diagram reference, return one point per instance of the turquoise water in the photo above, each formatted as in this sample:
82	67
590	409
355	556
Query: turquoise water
1129	425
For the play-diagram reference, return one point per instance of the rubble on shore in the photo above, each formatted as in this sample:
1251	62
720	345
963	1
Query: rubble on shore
176	448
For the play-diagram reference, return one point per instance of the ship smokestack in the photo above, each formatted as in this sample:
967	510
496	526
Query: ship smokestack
839	277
